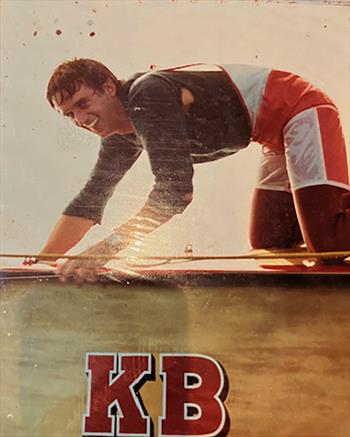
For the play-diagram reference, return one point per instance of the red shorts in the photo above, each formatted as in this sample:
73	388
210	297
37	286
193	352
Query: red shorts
300	131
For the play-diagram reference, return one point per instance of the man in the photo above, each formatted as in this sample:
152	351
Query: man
182	117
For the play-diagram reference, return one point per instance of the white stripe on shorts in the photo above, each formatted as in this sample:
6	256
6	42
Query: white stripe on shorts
304	150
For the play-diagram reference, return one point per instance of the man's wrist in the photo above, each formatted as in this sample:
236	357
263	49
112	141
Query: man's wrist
116	242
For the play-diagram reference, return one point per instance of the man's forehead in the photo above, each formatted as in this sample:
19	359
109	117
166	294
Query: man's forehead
63	98
60	98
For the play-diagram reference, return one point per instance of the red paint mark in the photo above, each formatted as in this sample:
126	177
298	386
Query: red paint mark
35	33
58	32
92	34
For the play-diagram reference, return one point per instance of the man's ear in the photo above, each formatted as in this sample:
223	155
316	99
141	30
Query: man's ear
110	87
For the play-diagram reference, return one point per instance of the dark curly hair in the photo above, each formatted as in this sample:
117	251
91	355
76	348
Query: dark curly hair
70	75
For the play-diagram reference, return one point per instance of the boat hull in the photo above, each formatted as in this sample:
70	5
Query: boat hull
282	340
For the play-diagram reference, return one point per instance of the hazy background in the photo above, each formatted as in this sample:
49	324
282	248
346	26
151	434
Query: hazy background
45	160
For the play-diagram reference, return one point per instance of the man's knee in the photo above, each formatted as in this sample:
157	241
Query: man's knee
275	239
274	223
324	217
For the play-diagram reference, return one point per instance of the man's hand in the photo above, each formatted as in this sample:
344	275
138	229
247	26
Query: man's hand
87	270
81	270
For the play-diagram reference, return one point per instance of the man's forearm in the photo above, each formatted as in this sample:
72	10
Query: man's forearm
147	220
144	222
68	231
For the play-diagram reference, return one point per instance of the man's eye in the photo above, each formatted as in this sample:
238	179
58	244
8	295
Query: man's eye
82	104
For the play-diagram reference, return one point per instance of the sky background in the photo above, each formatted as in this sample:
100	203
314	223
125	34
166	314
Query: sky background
45	160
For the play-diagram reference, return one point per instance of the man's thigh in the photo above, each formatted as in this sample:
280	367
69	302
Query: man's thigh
273	222
317	169
313	167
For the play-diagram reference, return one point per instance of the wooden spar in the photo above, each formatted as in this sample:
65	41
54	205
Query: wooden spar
256	256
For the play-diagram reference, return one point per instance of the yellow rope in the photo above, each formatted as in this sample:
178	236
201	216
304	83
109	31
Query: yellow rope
269	255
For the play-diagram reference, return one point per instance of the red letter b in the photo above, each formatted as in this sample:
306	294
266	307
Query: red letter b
192	405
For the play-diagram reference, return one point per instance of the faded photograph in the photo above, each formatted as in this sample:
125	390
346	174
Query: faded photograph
206	143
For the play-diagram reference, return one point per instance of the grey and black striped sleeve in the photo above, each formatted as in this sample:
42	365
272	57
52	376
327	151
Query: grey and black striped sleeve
156	110
117	155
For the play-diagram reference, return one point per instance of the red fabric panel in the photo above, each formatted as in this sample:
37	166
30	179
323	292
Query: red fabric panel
286	94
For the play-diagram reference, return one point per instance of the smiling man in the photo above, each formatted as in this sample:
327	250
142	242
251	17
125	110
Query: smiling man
183	116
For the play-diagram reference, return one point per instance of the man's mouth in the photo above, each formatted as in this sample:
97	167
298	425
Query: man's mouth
93	124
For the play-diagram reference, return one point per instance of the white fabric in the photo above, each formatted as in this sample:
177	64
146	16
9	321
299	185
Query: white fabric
273	171
250	81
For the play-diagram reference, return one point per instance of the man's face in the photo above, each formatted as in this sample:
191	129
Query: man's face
100	112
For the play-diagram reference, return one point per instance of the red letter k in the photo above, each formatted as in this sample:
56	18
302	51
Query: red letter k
114	382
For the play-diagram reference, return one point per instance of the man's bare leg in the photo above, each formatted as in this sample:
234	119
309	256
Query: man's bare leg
320	217
273	222
324	216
